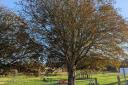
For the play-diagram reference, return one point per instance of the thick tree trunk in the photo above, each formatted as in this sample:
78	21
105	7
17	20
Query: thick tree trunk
71	75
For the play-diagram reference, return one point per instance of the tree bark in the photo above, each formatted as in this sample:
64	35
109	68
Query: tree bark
71	75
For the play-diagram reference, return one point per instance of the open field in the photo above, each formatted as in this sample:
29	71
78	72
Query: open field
103	79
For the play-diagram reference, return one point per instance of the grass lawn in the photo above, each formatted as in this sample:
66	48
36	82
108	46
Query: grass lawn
103	79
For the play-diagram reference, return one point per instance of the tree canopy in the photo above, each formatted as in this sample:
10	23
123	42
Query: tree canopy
73	30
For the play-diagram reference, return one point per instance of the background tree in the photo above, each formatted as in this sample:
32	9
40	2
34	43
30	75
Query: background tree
15	42
73	30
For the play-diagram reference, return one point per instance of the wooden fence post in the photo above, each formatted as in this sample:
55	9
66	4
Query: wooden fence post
96	82
126	82
118	79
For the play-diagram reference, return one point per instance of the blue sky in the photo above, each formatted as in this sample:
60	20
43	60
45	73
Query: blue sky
122	6
8	3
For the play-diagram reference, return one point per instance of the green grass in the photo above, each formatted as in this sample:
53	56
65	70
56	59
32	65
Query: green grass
107	78
23	80
103	79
